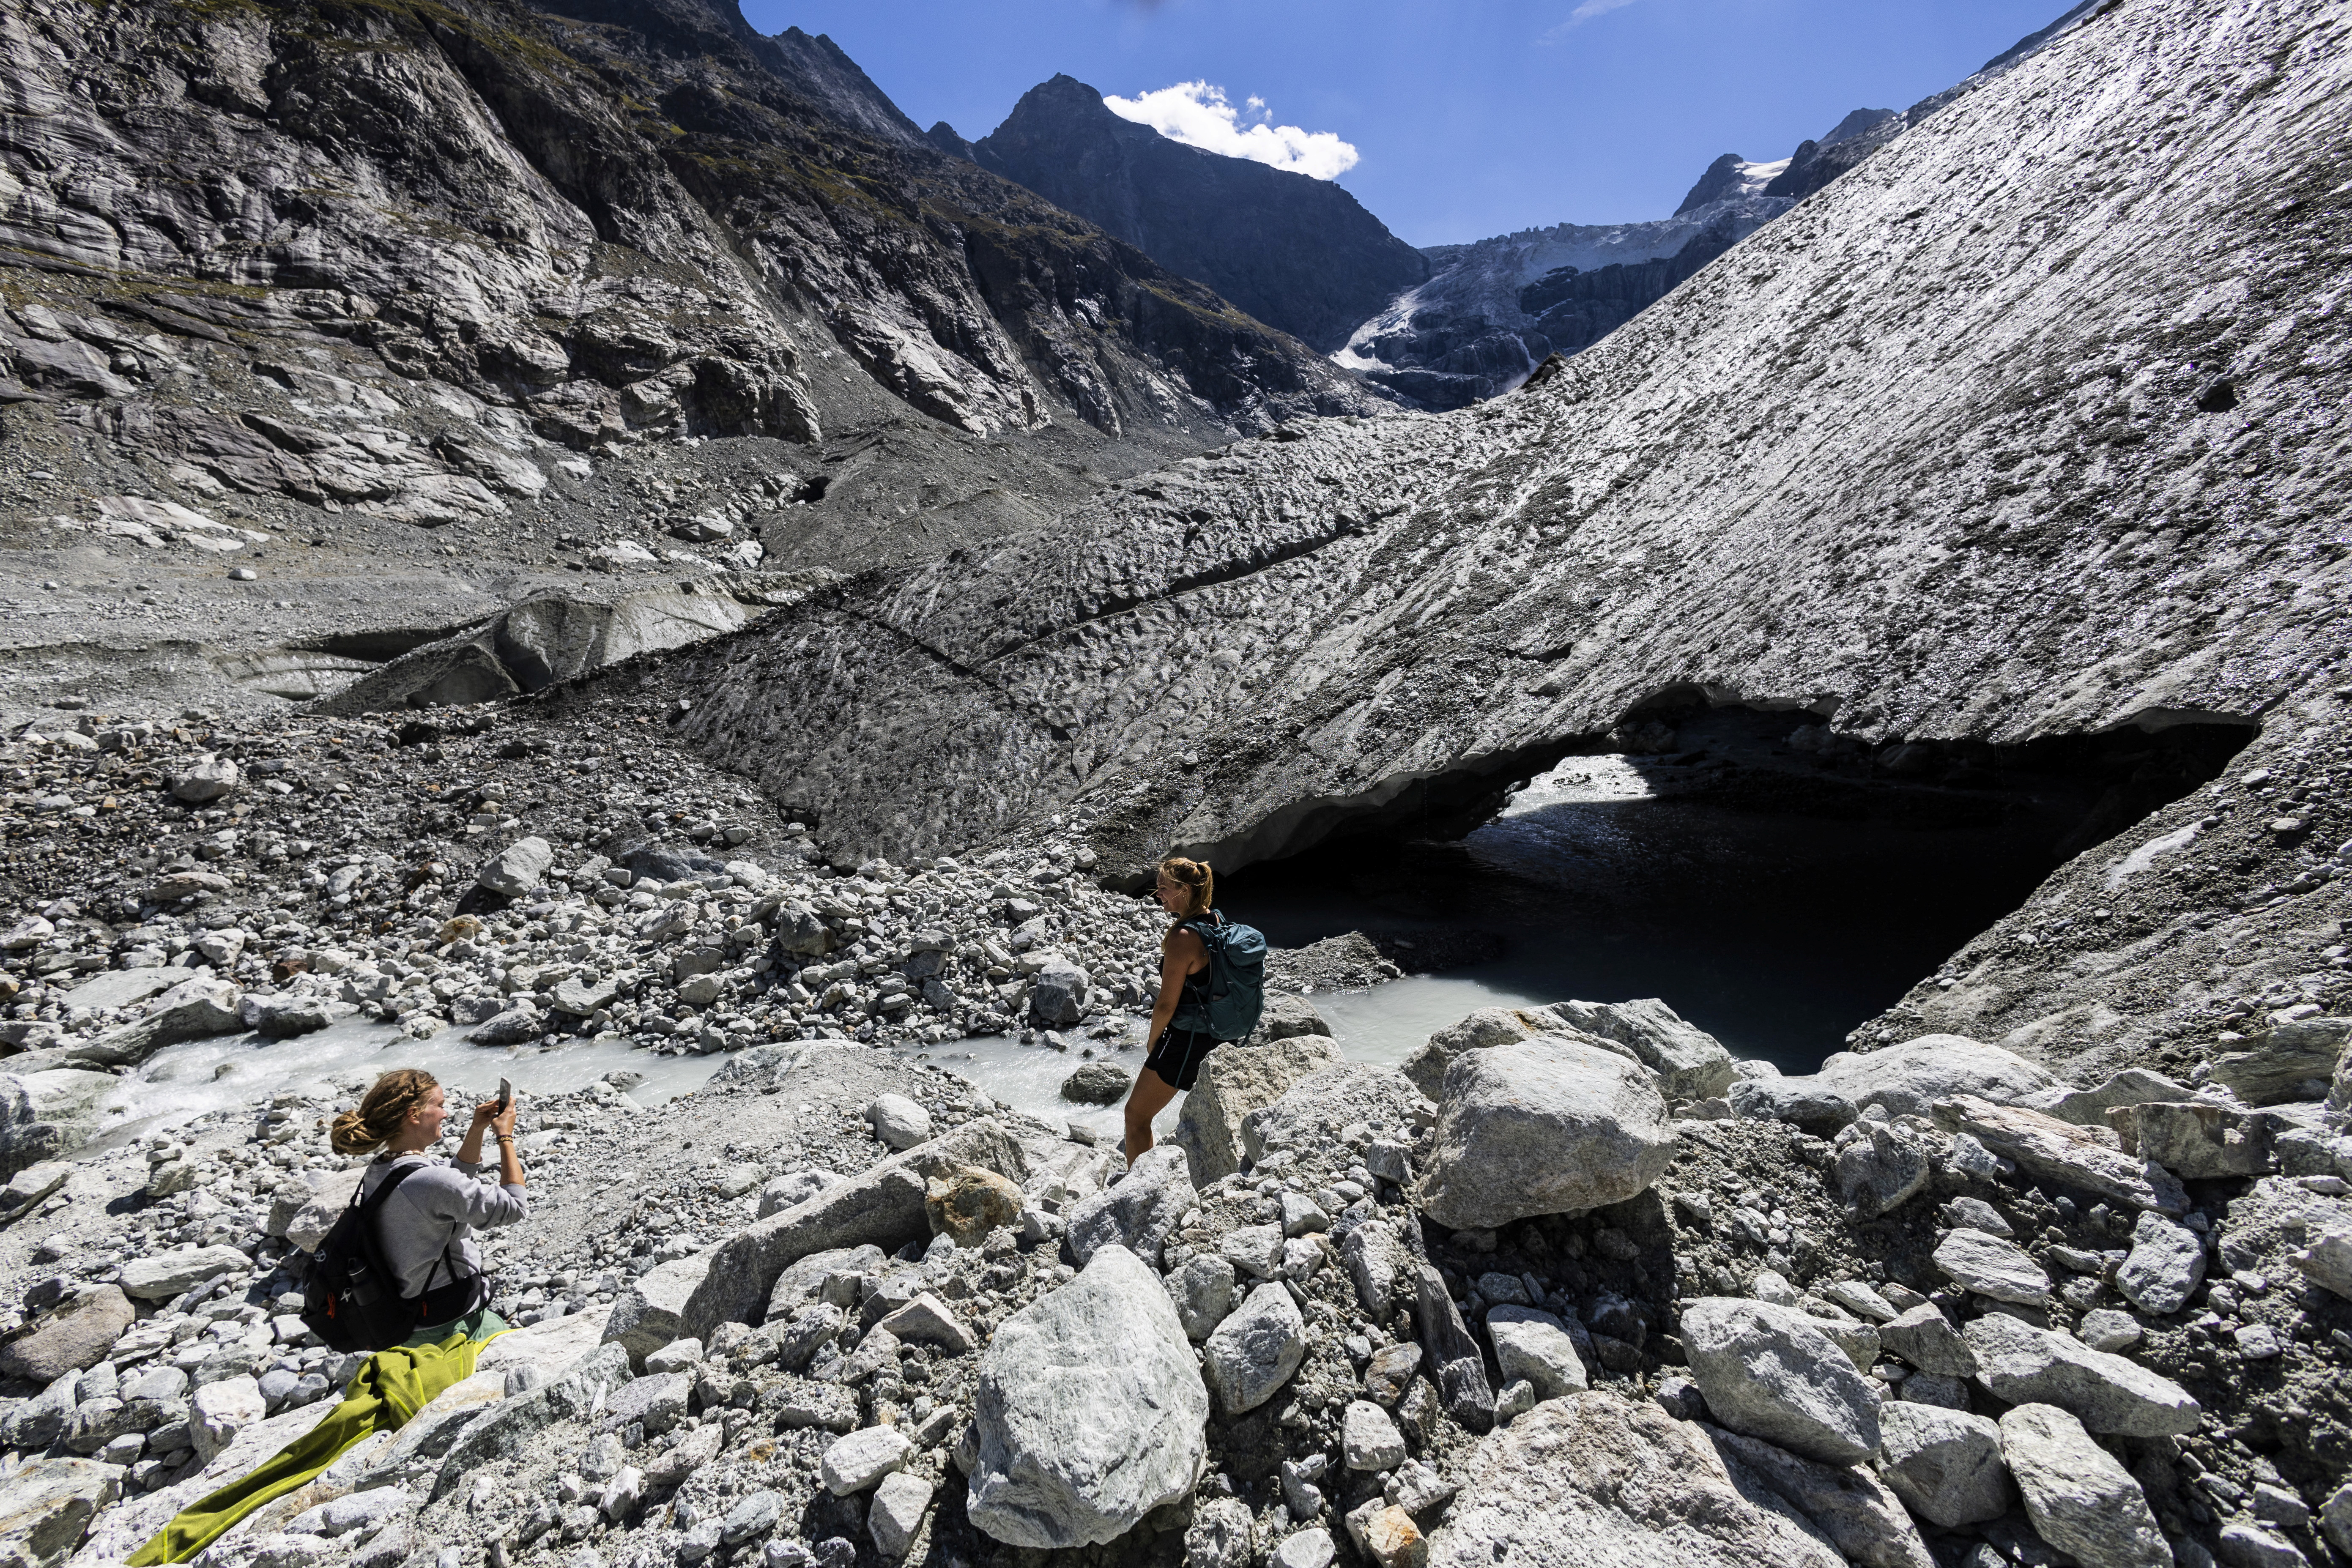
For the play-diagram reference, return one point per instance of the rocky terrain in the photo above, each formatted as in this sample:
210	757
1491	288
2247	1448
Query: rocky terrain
2079	495
1295	252
403	314
1570	1279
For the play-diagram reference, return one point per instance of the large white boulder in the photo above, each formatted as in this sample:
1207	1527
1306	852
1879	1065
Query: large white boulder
1909	1077
1089	1411
1551	1125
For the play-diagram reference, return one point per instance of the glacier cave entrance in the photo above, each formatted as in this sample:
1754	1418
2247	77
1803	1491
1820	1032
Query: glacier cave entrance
1774	883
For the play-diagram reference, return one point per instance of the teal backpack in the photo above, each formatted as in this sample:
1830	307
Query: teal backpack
1235	981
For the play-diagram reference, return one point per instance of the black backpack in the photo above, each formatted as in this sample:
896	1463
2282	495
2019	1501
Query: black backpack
353	1300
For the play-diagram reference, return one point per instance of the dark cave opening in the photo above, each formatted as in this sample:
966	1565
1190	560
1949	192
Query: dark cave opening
1776	882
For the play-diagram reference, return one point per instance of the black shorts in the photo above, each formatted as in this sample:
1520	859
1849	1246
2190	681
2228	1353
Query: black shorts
1177	1054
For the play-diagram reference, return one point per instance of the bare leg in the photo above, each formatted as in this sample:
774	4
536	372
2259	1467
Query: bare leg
1145	1100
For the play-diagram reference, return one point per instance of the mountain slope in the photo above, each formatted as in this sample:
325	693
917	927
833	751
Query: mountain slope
2027	427
1297	253
1466	335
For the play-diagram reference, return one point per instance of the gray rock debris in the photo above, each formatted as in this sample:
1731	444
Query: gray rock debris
1991	1266
2063	1152
1909	1079
1600	1479
899	1122
1546	1125
1254	1352
2026	1365
2166	1263
1236	1080
1772	1372
1138	1214
1691	1064
1926	1339
518	869
1536	1346
2080	1498
1945	1465
1847	1503
1089	1409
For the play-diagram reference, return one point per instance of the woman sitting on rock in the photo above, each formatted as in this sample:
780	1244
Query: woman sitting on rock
428	1222
1185	889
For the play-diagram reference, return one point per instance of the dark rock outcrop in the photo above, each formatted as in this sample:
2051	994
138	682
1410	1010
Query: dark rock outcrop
1297	253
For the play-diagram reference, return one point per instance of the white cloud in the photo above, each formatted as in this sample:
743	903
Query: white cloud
1197	114
1584	12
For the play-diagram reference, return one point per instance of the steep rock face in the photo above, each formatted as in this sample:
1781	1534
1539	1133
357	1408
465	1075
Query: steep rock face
2017	430
602	225
1297	253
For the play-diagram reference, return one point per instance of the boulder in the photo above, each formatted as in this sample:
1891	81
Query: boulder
193	1010
1235	1081
653	1312
2280	1064
1804	1103
47	1507
860	1459
2328	1262
1537	1347
77	1334
928	1320
218	1410
1910	1077
1455	1359
884	1206
1369	1438
1097	1083
1847	1503
1139	1214
1287	1018
1314	1113
208	780
2166	1262
2080	1498
1691	1064
282	1018
965	1205
2197	1139
899	1122
1380	1266
1058	994
163	1275
2078	1157
1991	1266
331	1194
897	1514
1770	1372
2025	1365
657	1403
1945	1465
1594	1478
2089	1107
119	988
1551	1125
781	1193
1251	1354
1478	1031
1203	1290
1925	1338
1881	1169
30	1187
515	869
1089	1411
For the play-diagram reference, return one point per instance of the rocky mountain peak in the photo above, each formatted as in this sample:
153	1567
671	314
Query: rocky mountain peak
1299	254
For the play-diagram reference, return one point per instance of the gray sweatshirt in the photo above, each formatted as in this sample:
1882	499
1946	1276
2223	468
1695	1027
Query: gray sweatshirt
432	1215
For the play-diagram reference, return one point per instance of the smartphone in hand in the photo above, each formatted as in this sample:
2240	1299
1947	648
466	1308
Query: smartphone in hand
505	1095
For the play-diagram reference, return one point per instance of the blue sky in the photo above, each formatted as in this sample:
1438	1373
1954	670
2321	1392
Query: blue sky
1468	117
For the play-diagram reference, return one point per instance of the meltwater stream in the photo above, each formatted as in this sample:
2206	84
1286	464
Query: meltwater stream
1775	931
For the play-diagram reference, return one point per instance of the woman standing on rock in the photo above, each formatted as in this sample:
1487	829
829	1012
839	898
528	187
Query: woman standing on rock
1185	889
428	1221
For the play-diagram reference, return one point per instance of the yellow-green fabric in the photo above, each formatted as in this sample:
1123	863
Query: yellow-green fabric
390	1387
